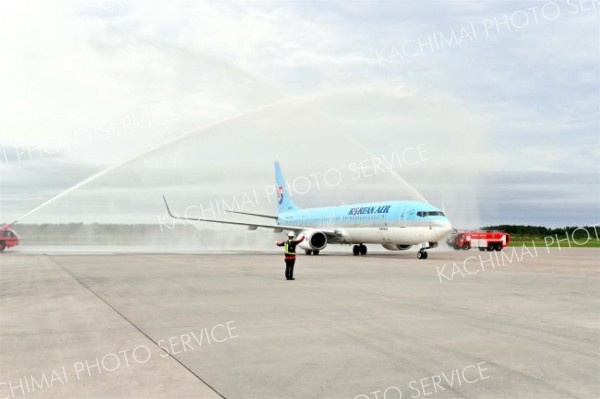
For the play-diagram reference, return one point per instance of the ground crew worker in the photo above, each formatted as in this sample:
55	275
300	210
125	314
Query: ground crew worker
290	254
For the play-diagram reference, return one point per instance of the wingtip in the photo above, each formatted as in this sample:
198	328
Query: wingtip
167	205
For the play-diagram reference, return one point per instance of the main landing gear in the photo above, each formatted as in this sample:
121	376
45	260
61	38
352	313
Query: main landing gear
359	249
422	254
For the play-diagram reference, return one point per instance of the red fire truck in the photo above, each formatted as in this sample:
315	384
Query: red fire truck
8	238
484	240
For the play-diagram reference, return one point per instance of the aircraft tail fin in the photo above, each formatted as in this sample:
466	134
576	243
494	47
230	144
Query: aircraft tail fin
284	202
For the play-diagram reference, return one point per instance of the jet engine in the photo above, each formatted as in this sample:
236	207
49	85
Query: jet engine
313	240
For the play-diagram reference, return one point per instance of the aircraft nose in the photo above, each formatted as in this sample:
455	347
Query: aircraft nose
445	225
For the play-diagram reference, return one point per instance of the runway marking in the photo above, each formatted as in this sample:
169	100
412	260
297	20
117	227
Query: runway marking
135	326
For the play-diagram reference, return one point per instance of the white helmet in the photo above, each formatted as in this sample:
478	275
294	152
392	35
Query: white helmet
291	234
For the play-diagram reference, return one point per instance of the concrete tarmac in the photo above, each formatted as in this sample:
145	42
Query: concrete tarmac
210	326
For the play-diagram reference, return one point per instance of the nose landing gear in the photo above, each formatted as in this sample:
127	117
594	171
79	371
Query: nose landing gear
422	254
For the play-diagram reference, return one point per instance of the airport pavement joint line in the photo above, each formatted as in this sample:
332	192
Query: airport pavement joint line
134	326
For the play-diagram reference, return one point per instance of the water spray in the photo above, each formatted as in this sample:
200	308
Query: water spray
392	171
152	150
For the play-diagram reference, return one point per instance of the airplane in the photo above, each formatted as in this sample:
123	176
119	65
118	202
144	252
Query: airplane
396	225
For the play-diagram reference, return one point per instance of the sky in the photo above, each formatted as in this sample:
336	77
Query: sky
196	99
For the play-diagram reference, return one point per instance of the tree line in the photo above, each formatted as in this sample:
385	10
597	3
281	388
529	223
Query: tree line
542	231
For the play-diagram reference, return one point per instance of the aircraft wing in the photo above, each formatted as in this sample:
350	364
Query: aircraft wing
261	215
252	226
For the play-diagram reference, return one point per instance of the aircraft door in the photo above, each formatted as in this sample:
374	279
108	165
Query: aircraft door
402	218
